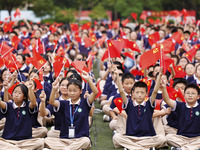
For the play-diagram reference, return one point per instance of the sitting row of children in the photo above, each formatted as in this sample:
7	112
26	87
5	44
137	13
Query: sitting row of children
133	124
71	111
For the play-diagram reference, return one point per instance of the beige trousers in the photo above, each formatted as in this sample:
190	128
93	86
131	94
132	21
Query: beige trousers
39	132
53	133
68	144
29	144
138	143
2	123
158	125
169	130
183	142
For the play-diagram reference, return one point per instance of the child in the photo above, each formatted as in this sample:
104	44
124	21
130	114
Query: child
74	133
140	133
18	129
188	134
128	81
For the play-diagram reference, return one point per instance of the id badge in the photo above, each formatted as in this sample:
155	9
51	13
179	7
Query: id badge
71	132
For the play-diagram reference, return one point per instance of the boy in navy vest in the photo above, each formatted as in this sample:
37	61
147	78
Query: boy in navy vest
188	114
140	133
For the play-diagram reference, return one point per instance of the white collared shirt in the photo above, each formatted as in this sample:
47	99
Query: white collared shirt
22	105
195	105
136	104
77	103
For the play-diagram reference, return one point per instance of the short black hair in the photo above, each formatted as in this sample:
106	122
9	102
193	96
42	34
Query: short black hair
127	75
24	91
193	86
187	32
75	82
76	76
139	84
180	80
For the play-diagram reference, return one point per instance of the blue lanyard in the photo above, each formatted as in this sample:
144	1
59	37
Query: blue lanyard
72	116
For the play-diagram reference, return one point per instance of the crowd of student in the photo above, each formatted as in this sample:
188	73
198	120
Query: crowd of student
146	107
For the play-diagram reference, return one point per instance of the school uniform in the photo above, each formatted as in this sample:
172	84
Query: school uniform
49	78
140	133
74	133
120	124
55	130
18	127
38	130
188	134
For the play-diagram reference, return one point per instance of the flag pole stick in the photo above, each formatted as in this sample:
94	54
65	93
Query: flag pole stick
17	69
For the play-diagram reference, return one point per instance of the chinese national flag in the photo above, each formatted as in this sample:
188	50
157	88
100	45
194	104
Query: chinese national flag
178	37
5	49
130	55
130	44
86	26
105	55
184	46
134	15
74	27
26	42
151	21
136	72
172	93
38	84
167	46
143	16
148	82
115	24
66	62
61	51
153	38
115	48
157	21
17	13
166	61
10	90
90	58
27	51
118	102
15	42
191	53
57	68
150	57
101	40
180	95
179	72
8	27
37	60
53	28
124	22
2	62
99	90
78	65
142	30
77	38
90	41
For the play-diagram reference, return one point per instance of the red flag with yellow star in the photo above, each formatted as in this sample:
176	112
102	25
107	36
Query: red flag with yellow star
167	46
15	42
136	72
124	22
178	37
172	93
118	102
130	44
153	38
90	41
148	82
74	27
191	53
179	72
115	24
86	26
150	57
115	48
37	60
130	55
134	15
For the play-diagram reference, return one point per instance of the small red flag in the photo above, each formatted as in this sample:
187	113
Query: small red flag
38	84
150	57
57	67
151	21
115	24
17	13
185	12
37	60
74	27
179	72
99	90
10	90
61	51
180	95
15	42
118	102
148	82
27	51
26	42
191	53
178	37
172	93
167	45
136	72
78	65
124	22
90	41
134	15
130	55
166	61
115	48
153	38
130	44
86	26
143	16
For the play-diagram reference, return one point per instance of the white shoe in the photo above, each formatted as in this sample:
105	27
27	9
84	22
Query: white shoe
106	118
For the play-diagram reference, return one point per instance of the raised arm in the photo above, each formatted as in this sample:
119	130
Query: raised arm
42	109
94	93
168	101
6	87
31	95
54	90
156	88
119	84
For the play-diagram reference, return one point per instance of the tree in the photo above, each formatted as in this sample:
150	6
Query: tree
98	12
10	4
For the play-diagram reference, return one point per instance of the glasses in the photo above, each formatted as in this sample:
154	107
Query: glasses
193	94
120	74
